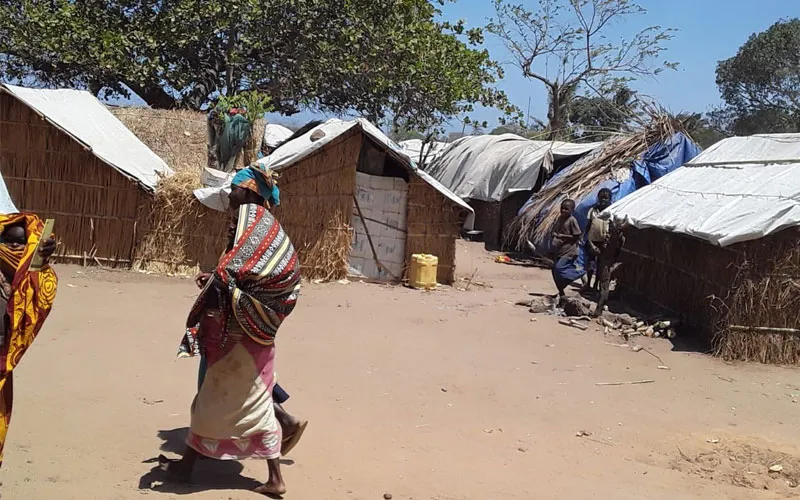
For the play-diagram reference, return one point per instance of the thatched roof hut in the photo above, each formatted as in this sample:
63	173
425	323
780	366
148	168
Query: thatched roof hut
496	175
354	204
623	164
716	242
64	156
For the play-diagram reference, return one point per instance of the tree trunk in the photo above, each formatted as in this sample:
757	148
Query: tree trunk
558	113
156	97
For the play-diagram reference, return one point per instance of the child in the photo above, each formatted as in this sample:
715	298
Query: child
596	237
565	238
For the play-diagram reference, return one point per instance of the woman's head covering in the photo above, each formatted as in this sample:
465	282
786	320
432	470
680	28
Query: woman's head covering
261	181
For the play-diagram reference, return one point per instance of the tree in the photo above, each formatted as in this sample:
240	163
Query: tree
760	85
565	46
595	117
384	59
706	129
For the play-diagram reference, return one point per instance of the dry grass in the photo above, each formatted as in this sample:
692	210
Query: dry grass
585	175
180	138
766	293
180	235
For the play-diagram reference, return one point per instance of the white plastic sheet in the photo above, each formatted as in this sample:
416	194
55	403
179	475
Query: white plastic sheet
275	134
302	147
740	189
80	115
491	167
433	149
6	203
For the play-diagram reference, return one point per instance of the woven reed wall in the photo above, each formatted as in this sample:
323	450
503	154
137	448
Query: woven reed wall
754	284
178	234
682	274
316	204
434	225
49	173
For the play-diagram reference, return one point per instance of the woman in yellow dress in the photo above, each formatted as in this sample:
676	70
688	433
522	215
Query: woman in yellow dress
26	295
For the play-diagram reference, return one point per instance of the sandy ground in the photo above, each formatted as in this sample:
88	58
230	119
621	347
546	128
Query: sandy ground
444	395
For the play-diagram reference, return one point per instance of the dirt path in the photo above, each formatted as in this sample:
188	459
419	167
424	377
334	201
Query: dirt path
446	395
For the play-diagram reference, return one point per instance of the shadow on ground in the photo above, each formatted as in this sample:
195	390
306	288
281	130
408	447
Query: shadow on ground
209	475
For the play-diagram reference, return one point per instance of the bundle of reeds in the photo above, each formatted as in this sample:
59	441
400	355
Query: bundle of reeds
613	159
179	235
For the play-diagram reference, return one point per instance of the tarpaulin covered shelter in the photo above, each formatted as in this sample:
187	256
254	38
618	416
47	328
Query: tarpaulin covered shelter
716	241
496	174
349	194
656	162
64	155
423	155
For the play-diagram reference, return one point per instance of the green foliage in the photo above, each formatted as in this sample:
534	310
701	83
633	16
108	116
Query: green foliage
706	129
761	83
383	59
564	45
254	103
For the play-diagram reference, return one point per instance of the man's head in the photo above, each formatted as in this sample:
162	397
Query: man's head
567	207
14	237
604	198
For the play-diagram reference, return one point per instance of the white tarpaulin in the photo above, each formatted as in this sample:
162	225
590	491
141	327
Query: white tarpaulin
413	148
81	116
740	189
302	147
275	134
6	203
491	167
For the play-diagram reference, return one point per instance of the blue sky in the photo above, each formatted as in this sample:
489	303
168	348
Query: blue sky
708	31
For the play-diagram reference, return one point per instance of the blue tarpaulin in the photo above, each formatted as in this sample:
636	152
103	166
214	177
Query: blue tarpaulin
655	163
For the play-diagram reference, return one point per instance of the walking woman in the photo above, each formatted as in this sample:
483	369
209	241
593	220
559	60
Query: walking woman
234	323
26	296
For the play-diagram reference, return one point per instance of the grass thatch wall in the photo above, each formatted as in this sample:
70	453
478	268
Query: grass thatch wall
178	137
49	173
176	233
751	284
317	195
434	225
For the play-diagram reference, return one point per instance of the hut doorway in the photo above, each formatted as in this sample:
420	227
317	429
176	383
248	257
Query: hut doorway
383	202
382	196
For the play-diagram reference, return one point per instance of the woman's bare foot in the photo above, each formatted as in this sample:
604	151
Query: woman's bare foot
274	487
272	490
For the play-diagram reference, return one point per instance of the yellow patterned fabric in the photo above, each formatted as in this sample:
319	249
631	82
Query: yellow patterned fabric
32	296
